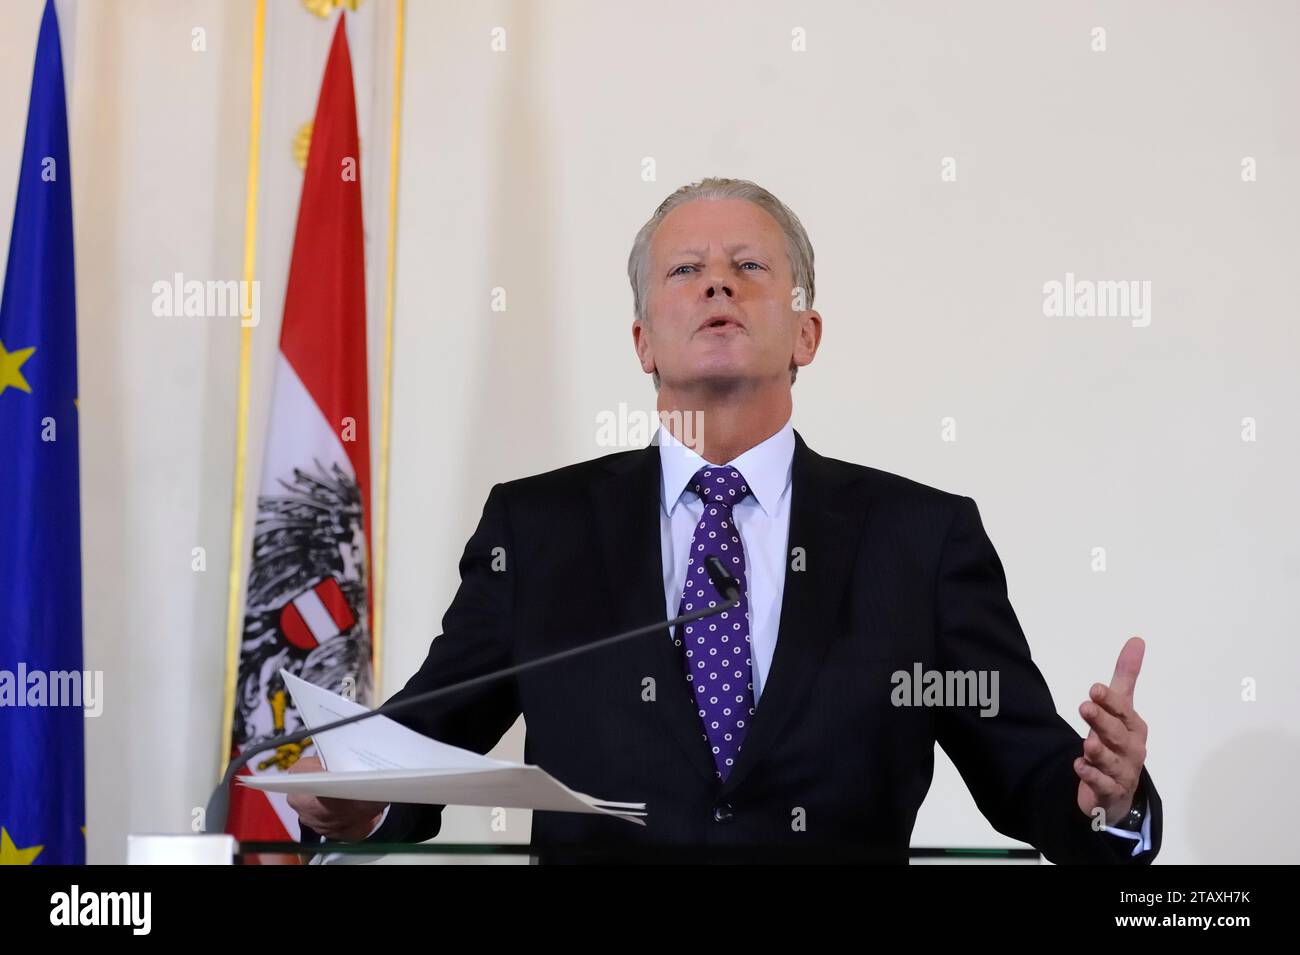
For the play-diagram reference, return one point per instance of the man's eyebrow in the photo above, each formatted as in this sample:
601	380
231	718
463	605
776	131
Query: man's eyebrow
739	247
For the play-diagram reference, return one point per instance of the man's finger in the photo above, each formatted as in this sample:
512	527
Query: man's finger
1127	668
1101	784
1109	727
1110	701
349	807
1098	754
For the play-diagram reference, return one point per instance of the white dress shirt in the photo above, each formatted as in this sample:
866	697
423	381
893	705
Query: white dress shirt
762	518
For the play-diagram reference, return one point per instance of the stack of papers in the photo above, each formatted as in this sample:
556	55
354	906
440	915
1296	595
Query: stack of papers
381	760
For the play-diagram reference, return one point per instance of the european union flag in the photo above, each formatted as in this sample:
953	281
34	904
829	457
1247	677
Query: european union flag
42	749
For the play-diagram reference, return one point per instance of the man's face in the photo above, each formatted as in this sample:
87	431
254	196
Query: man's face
719	305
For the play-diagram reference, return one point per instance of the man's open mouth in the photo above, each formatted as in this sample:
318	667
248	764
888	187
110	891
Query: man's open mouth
719	323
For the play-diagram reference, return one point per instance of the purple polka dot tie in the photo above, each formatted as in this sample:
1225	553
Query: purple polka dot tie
718	661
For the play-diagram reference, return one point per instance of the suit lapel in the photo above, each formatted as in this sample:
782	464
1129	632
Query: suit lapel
825	522
625	508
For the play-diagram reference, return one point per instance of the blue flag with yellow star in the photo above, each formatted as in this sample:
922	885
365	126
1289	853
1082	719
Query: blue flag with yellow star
42	750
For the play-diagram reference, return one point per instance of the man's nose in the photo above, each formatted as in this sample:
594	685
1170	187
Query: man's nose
718	287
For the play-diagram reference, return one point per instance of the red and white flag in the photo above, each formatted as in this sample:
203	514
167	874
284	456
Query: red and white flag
308	605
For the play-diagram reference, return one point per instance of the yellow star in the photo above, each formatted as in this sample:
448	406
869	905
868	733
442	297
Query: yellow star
10	854
10	362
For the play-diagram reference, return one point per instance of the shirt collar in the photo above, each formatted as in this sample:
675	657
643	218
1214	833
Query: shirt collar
766	467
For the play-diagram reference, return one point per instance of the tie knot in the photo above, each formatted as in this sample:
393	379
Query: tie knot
720	485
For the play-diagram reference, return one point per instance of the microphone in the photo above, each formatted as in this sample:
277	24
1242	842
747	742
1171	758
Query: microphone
723	582
218	808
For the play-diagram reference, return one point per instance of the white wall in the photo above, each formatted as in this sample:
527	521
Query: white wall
1072	434
523	170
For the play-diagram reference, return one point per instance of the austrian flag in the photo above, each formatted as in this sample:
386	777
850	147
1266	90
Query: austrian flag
308	605
316	615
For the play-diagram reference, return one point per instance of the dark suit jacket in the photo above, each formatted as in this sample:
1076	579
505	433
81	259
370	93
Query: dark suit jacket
896	573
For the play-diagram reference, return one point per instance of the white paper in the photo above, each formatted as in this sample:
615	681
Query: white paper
380	760
378	743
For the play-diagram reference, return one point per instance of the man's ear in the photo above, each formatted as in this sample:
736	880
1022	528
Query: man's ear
808	338
644	352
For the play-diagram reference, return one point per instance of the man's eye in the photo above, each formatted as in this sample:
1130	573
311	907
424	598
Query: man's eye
677	270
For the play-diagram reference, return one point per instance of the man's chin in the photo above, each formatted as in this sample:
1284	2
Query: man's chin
715	378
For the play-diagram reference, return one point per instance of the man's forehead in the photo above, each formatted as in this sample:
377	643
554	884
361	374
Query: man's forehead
735	225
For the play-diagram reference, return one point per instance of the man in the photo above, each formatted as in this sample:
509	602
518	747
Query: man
777	726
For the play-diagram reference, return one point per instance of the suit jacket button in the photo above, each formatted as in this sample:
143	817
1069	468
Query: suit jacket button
723	813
